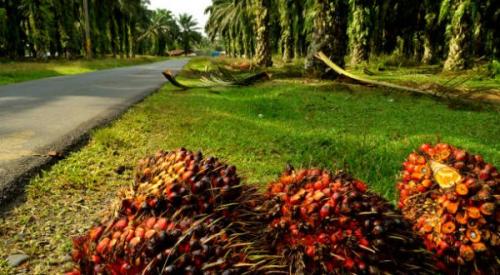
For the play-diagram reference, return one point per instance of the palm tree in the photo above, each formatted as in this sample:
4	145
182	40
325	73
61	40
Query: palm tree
262	47
359	31
37	16
161	29
461	35
188	32
431	8
286	8
330	35
233	22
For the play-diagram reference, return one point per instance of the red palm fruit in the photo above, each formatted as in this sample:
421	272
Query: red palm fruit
277	188
318	185
425	147
348	264
150	233
121	224
161	224
323	238
95	233
460	155
74	272
150	222
103	244
139	232
96	259
310	250
325	211
361	186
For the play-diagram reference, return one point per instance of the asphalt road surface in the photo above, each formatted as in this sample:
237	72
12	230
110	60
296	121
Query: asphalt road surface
54	114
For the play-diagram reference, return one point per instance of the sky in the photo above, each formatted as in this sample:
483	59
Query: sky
194	7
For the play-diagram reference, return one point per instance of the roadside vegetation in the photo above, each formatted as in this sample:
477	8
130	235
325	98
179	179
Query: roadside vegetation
367	131
12	72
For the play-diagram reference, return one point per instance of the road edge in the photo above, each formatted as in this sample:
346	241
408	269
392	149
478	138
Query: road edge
20	172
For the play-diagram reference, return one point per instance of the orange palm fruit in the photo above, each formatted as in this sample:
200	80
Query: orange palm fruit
318	195
473	235
495	239
427	228
448	228
479	247
487	208
467	253
277	188
462	189
427	183
451	207
461	217
473	212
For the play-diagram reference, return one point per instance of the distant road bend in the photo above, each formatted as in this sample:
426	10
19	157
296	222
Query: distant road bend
52	114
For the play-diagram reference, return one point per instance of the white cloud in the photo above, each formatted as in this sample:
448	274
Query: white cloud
196	8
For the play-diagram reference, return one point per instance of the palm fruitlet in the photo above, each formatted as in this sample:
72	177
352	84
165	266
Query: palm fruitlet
330	223
185	215
452	199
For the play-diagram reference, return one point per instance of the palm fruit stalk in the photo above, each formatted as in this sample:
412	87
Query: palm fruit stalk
452	199
184	215
329	223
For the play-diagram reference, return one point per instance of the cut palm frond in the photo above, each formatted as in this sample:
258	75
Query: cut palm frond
221	79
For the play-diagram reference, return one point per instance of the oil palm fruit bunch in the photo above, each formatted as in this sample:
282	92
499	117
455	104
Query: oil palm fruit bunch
181	179
185	214
330	223
157	245
452	198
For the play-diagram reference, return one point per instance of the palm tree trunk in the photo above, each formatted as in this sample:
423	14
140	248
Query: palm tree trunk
88	43
459	47
359	31
330	36
428	55
299	38
286	8
263	48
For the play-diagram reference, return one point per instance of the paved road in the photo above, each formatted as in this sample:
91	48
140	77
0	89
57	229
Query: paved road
55	113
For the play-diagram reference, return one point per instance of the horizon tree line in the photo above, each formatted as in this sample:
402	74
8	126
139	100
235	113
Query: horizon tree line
56	28
451	32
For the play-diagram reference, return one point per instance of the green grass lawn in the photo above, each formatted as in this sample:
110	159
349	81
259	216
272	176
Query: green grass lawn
259	129
418	75
12	72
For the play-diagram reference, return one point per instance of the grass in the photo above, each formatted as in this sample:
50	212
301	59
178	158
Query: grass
12	72
394	68
259	129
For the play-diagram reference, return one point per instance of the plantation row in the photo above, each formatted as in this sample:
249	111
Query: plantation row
430	31
188	214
